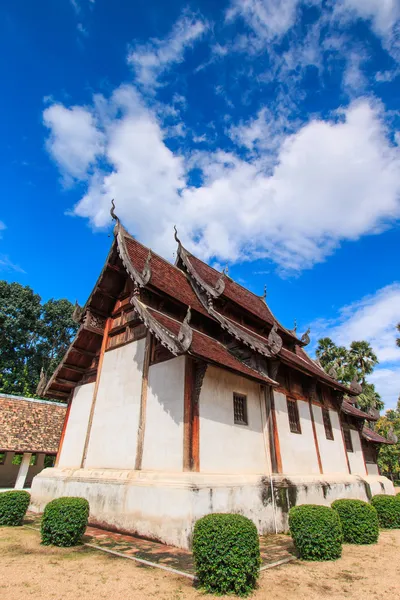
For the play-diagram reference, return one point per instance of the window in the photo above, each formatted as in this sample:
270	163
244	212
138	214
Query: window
49	460
17	459
240	409
3	457
293	414
327	424
347	438
33	460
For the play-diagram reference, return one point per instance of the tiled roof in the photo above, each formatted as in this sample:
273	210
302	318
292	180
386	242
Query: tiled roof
351	410
372	436
164	275
29	425
210	349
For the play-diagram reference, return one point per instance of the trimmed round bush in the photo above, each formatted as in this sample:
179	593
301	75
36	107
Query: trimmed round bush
64	521
316	532
13	507
359	521
226	553
388	509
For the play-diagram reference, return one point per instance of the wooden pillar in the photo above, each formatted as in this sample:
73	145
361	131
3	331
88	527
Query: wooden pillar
362	451
23	471
275	448
191	428
64	429
315	437
143	402
96	387
344	445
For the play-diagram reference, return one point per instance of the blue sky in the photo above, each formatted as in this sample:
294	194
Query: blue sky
267	130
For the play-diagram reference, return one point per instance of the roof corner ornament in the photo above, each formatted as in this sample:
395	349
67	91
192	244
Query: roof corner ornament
41	386
146	273
220	285
77	313
391	436
112	211
305	338
185	333
332	372
274	340
374	413
294	330
264	296
355	386
178	241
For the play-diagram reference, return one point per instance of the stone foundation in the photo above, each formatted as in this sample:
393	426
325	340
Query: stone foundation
165	506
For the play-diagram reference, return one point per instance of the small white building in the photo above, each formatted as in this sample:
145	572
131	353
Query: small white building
186	396
30	432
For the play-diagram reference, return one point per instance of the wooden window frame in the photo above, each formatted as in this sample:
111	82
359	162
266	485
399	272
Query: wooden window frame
242	399
326	418
293	415
348	442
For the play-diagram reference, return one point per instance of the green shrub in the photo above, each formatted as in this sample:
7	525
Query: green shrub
64	521
226	552
359	521
388	509
316	532
13	507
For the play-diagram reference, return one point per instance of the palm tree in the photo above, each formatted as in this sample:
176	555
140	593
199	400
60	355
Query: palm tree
362	358
334	356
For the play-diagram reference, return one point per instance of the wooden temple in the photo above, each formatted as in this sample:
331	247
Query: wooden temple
187	396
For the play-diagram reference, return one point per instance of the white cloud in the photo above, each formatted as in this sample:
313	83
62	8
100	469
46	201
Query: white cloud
74	141
329	181
151	60
269	19
374	319
7	265
383	14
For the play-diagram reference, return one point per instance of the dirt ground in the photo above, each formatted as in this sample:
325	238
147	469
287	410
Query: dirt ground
31	571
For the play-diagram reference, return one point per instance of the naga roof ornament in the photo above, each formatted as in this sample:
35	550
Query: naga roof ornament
185	334
355	386
332	372
274	340
305	338
77	313
140	278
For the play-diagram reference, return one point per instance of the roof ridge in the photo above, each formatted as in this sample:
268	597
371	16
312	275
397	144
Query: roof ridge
36	400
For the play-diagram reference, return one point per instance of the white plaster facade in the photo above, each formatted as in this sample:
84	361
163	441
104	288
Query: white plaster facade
162	501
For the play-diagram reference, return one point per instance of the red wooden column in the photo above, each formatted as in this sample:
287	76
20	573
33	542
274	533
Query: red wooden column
96	387
315	437
191	428
275	447
362	450
143	402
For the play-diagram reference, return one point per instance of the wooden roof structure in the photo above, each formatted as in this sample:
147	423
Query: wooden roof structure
190	308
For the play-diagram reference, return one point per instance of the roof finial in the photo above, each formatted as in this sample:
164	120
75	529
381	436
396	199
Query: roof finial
225	270
265	292
178	241
112	211
294	330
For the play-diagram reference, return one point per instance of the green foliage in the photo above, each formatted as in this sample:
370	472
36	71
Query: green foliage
64	521
389	454
388	509
359	521
35	336
13	507
357	361
226	552
17	459
316	532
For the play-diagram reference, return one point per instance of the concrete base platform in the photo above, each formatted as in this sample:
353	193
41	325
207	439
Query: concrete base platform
165	506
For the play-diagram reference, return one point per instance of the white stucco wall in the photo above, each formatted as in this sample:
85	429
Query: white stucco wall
163	439
298	451
332	452
356	458
372	469
224	446
75	433
113	436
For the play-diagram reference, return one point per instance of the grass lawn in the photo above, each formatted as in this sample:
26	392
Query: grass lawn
31	571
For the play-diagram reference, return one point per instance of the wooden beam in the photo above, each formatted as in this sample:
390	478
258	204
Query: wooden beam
57	393
187	414
96	387
275	446
63	431
106	293
143	402
68	382
83	351
315	437
362	451
344	446
74	368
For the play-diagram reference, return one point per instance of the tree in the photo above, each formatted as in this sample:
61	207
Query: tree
33	336
358	361
389	455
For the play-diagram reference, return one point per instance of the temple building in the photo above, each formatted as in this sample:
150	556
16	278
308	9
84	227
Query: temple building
186	396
